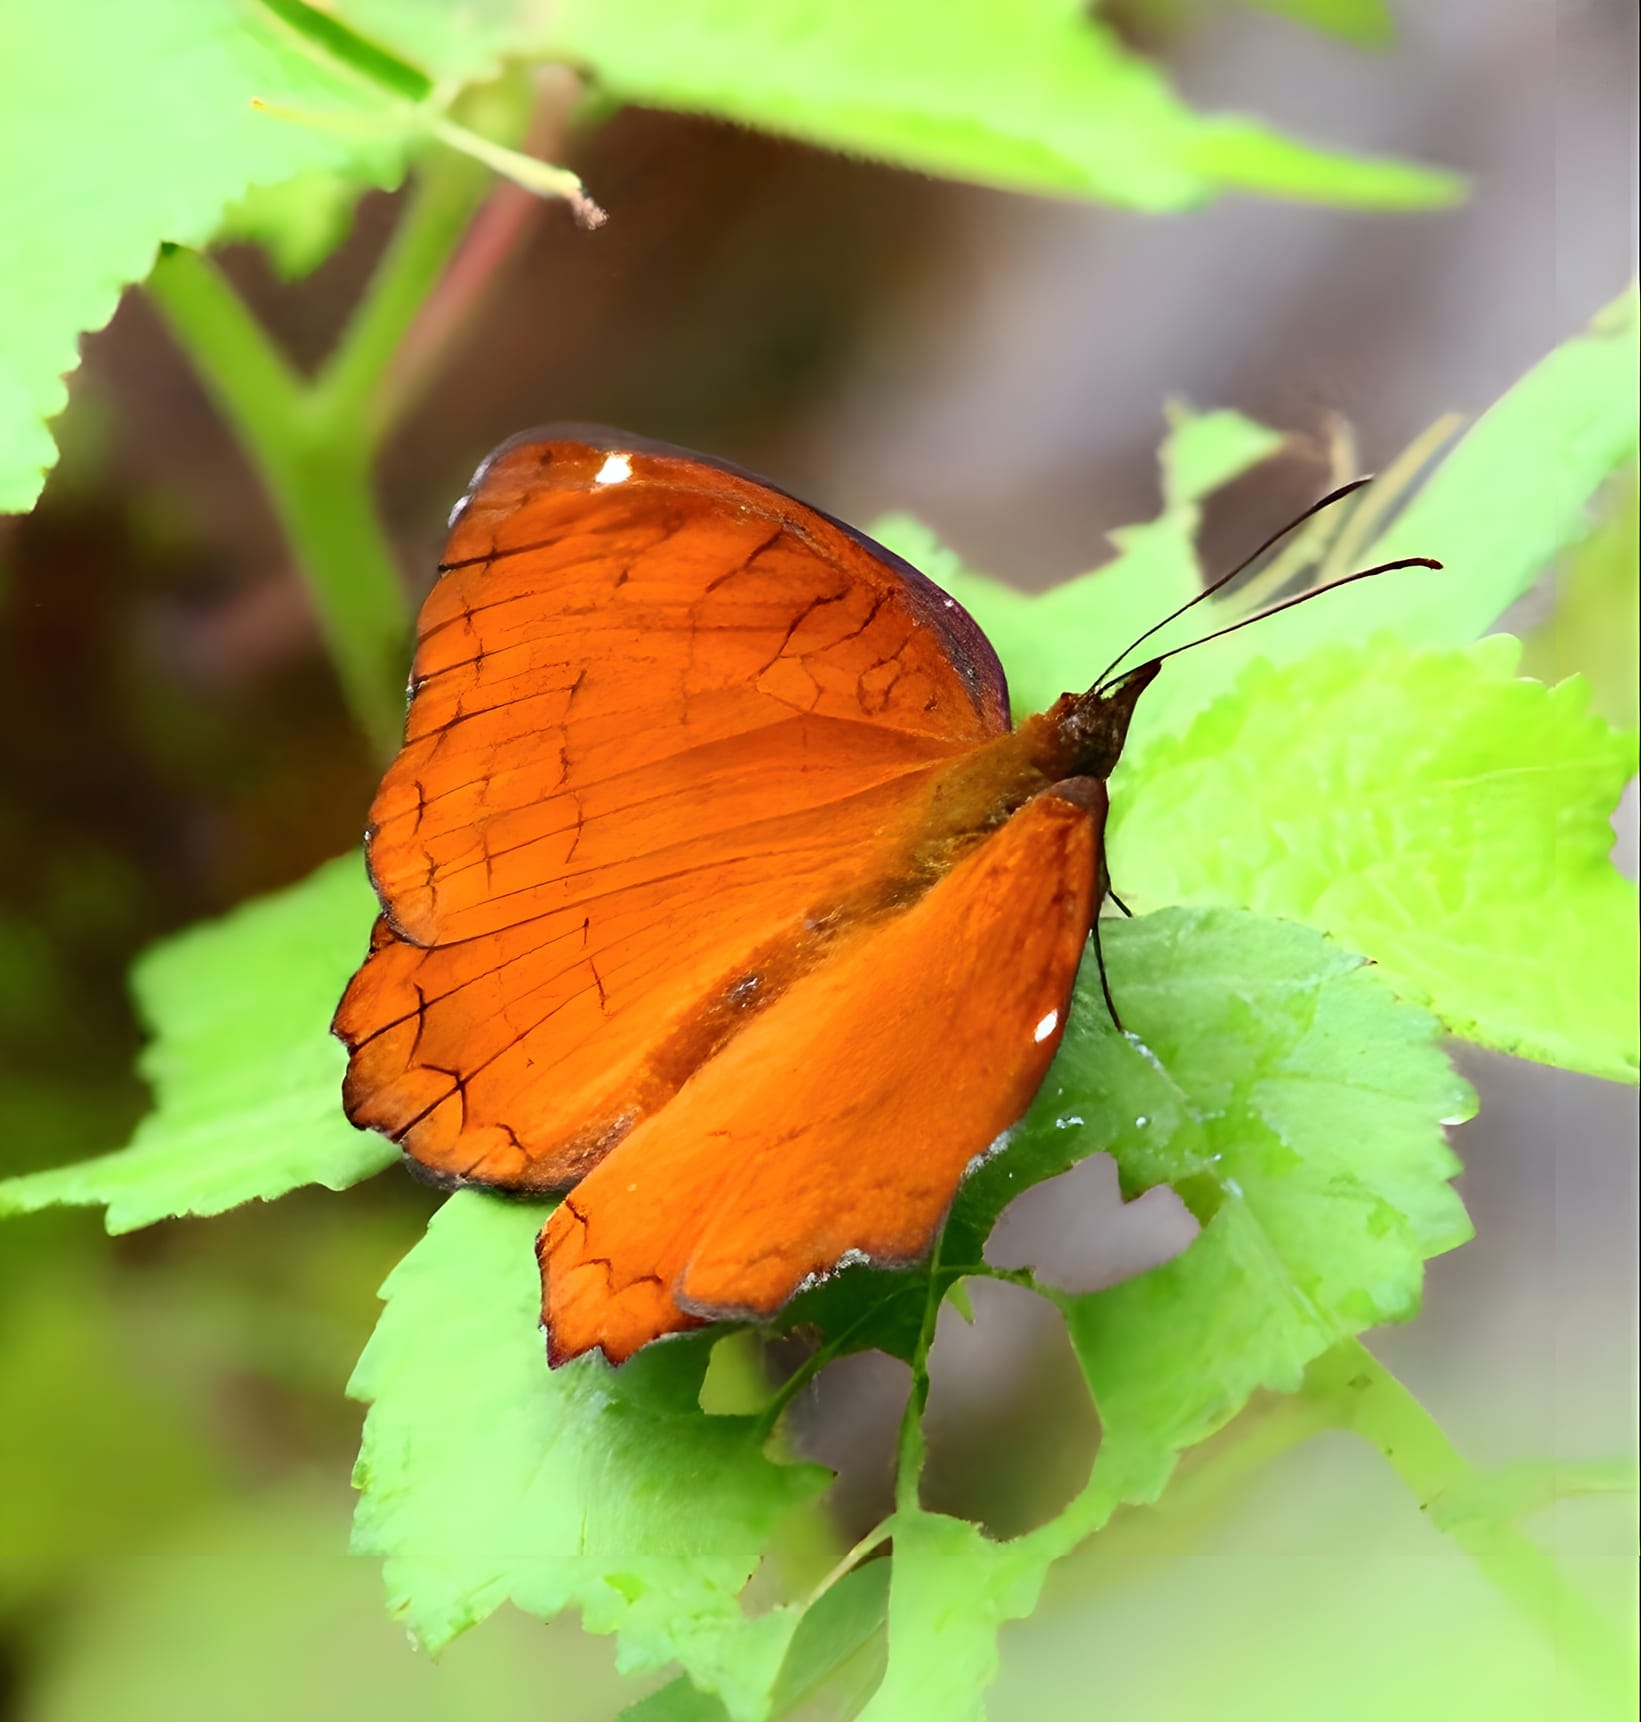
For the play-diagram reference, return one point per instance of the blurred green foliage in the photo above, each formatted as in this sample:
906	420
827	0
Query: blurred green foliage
278	1623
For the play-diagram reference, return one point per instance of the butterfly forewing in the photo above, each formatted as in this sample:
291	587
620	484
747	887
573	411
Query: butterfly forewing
663	718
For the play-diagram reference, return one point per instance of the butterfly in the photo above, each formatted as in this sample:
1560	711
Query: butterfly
717	890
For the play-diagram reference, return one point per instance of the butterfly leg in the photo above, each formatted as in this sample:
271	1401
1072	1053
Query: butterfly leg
1104	887
1105	985
1090	793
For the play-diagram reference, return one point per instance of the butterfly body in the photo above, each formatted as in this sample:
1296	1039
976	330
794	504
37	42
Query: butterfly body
716	888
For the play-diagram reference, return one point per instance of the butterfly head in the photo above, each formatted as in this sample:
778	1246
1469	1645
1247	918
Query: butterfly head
1094	726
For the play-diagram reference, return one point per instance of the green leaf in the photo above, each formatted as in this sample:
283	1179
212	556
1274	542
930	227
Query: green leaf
139	131
1431	811
247	1079
1204	451
1276	1082
679	1700
484	1476
1061	640
163	119
1033	95
832	1667
833	1649
950	1591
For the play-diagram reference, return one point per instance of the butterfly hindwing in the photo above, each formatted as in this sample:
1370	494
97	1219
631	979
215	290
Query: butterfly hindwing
841	1120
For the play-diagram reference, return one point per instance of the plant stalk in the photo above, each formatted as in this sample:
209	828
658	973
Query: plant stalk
318	481
313	444
1370	1400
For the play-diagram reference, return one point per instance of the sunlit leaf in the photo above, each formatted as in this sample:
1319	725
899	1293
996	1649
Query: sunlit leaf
950	1591
1429	809
1514	492
1033	94
485	1477
461	44
141	130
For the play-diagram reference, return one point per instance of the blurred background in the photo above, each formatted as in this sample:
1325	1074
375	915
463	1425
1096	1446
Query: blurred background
172	742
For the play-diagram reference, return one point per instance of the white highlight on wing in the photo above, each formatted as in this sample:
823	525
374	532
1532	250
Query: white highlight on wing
1046	1027
614	470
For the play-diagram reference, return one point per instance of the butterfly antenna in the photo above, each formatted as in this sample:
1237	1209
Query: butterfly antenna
1301	598
1246	563
1105	985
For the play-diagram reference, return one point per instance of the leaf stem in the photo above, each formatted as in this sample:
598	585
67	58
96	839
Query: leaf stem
313	444
493	235
913	1449
319	483
1367	1398
545	179
879	1534
802	1376
450	189
539	107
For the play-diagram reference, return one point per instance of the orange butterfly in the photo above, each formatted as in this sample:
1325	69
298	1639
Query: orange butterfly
716	888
